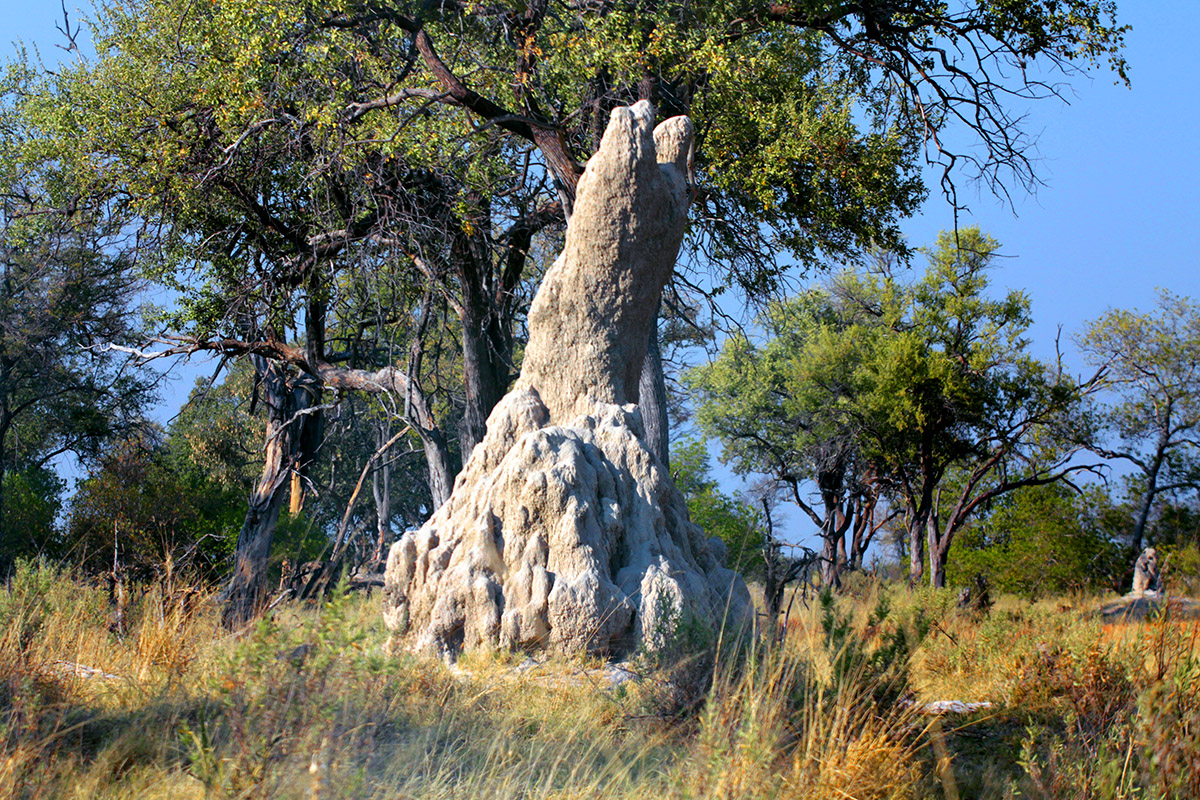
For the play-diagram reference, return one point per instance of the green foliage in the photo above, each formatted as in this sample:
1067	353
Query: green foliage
264	121
67	290
941	361
873	387
734	521
214	437
1181	569
765	404
26	603
33	500
1039	541
139	501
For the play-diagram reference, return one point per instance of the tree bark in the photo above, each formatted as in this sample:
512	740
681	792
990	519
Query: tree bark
486	342
6	563
290	439
1139	528
485	380
652	400
916	551
937	556
830	579
247	587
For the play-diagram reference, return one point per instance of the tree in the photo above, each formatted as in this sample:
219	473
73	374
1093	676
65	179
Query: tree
874	387
218	437
1039	540
155	509
1151	364
734	521
775	415
33	502
270	235
67	286
954	389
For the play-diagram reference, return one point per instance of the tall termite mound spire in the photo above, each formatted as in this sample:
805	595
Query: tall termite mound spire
563	530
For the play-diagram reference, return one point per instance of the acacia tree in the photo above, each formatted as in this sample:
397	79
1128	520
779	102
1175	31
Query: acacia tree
874	387
781	409
258	222
948	385
1151	363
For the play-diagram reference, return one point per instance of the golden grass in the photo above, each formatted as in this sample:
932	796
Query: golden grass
307	705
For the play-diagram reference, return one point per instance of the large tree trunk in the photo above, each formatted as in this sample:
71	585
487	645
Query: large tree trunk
487	344
1139	527
243	597
485	379
652	401
830	574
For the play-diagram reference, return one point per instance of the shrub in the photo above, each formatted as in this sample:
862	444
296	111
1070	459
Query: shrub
1036	542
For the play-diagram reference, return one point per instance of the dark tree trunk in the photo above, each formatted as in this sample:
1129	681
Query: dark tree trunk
1139	527
937	556
652	401
861	533
484	382
830	577
284	435
486	341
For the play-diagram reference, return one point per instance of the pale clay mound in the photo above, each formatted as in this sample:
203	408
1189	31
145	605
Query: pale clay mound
563	531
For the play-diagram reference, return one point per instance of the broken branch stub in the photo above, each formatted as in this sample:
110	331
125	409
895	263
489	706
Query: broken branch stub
563	530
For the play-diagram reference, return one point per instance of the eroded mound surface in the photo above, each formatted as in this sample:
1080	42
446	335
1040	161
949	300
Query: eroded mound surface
566	537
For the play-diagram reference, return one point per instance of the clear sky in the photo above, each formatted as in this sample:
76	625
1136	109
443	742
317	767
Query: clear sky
1116	217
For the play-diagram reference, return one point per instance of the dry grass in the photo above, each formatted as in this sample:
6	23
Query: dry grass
307	705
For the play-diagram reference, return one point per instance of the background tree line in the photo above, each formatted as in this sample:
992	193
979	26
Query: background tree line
912	405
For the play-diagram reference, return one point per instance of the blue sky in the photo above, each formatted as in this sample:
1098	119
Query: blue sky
1116	218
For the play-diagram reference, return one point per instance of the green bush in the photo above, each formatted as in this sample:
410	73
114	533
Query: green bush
1036	542
1181	569
730	519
